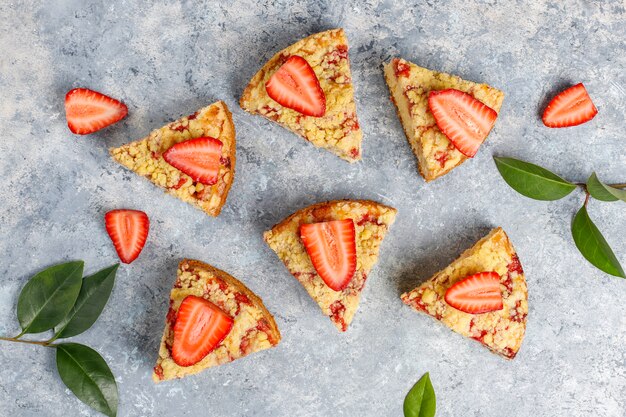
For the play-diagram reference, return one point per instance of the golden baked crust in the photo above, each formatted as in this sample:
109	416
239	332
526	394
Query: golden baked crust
501	331
409	85
371	221
144	157
254	328
338	130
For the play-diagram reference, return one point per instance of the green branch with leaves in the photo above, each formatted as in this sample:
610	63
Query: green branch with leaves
60	299
538	183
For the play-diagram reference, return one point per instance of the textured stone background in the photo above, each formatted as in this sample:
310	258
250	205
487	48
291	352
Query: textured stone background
168	59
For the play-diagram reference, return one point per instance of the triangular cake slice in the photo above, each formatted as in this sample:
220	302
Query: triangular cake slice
371	222
145	157
338	129
409	85
253	329
503	330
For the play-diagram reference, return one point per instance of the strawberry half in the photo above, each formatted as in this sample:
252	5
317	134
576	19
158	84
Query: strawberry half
88	111
332	249
476	294
571	107
128	230
463	119
294	85
200	326
199	158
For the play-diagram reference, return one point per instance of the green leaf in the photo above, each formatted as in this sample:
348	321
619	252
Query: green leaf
92	298
592	245
601	191
88	376
420	401
49	296
532	180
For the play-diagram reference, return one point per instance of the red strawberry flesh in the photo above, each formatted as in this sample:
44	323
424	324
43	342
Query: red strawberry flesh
199	328
463	119
476	294
571	107
128	230
88	111
332	249
199	158
295	86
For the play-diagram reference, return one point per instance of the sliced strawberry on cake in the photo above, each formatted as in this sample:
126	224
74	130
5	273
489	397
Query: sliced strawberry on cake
331	248
445	118
307	88
213	319
192	158
481	295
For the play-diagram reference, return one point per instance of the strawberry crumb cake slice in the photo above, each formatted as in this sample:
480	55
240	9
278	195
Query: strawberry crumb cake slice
213	319
444	117
481	295
192	158
331	248
307	88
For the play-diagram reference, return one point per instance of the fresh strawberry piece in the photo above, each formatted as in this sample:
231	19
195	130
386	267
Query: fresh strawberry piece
571	107
128	230
463	119
88	111
199	158
200	326
332	249
476	294
294	85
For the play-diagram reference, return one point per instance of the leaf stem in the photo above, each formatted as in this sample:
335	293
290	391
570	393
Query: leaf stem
623	185
30	342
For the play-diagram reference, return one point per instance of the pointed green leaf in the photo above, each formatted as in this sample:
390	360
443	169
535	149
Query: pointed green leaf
601	191
92	298
49	296
420	401
532	180
88	376
592	245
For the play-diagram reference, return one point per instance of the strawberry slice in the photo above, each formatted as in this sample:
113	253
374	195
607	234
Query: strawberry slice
200	326
463	119
476	294
571	107
294	85
199	158
88	111
332	249
128	230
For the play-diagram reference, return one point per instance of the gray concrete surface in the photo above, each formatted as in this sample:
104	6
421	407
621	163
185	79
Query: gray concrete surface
166	59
